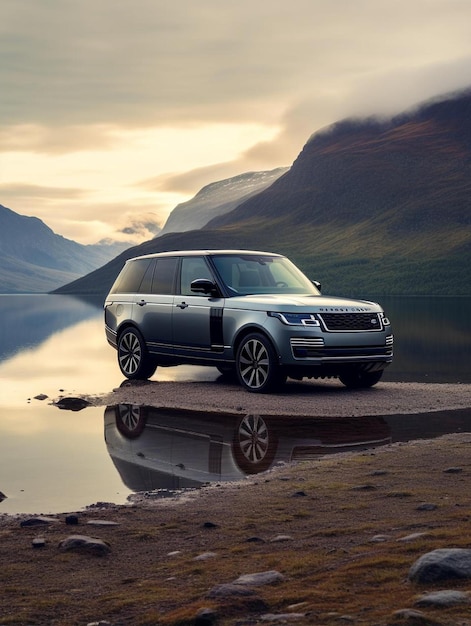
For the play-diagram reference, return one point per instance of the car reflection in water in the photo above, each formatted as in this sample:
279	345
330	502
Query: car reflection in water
172	449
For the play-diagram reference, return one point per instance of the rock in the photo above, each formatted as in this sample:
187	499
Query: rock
2	496
259	578
413	537
442	564
210	525
255	540
380	538
279	538
40	520
72	404
453	470
299	494
205	556
415	618
41	396
229	590
82	543
444	598
427	506
101	522
39	542
72	520
282	617
205	617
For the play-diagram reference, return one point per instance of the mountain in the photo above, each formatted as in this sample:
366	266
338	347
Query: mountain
369	207
217	199
33	259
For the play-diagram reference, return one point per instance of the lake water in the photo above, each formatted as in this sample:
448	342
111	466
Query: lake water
58	461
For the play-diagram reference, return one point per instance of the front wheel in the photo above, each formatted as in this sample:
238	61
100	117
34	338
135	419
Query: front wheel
133	359
257	365
357	379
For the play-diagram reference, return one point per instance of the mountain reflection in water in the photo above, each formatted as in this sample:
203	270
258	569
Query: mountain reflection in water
170	449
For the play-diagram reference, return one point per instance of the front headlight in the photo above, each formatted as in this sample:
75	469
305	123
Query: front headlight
295	319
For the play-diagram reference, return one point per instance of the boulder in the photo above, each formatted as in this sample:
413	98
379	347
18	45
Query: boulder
442	564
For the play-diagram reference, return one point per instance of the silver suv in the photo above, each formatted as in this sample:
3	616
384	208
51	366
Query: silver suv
250	314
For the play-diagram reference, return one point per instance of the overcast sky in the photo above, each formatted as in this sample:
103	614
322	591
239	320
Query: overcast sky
114	111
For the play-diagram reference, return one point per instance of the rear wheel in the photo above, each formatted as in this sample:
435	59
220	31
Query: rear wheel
358	379
257	365
133	358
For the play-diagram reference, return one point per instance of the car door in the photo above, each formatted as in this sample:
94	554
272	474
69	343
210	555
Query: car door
197	318
154	306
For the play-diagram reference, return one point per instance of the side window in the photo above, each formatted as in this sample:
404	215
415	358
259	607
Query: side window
131	277
164	276
193	267
146	282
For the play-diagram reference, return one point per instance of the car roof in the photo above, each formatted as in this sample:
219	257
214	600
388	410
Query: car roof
215	252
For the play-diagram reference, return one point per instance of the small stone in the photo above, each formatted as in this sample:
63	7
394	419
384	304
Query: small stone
174	553
101	522
41	396
210	525
279	538
205	617
412	537
259	578
205	556
427	506
39	542
379	473
299	494
72	404
282	617
380	538
453	470
444	598
39	521
255	540
72	520
228	590
82	543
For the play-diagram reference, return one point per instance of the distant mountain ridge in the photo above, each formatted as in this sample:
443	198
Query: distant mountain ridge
217	199
33	259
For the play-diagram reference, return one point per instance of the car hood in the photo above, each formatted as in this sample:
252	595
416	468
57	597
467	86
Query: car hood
305	304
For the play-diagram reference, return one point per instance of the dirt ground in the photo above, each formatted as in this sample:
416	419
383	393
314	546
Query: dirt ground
343	529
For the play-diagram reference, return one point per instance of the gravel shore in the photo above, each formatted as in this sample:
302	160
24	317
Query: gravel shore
317	398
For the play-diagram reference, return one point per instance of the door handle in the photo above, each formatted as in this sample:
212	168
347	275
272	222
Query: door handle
142	303
182	305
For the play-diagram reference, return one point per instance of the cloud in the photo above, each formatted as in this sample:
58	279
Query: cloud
115	108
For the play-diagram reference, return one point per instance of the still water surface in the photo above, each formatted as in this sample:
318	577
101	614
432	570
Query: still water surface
57	461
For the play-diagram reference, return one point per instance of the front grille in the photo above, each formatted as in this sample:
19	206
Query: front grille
344	322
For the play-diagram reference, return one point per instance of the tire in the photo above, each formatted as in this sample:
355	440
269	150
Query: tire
254	444
358	379
130	420
133	359
257	365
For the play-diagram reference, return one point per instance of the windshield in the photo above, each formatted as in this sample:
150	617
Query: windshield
250	274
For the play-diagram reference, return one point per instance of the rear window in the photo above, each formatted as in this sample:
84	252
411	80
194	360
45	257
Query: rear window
130	279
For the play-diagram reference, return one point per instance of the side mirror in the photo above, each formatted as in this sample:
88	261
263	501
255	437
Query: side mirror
203	285
316	284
